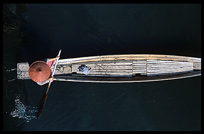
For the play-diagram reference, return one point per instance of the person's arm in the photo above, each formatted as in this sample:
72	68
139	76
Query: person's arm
51	59
51	79
43	83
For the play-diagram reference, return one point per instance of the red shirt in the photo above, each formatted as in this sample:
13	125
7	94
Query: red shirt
50	63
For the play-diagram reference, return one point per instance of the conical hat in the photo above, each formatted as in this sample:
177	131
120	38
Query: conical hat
39	71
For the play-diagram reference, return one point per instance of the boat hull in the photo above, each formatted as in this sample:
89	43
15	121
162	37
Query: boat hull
126	79
123	68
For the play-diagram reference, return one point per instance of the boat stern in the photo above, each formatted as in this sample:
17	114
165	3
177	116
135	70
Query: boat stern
22	70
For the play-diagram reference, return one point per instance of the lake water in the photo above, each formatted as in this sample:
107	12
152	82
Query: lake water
100	29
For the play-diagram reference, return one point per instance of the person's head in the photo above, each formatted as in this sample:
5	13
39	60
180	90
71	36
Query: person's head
39	71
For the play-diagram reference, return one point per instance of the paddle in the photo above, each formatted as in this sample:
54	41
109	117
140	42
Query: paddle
45	96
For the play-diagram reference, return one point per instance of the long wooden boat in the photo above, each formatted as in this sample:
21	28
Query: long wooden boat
122	68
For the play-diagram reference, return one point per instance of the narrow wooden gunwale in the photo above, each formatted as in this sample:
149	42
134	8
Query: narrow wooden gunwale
129	57
70	78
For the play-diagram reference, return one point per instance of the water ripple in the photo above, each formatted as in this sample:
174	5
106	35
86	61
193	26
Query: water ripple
22	111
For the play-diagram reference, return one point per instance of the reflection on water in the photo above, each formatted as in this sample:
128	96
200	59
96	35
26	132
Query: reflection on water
9	70
25	112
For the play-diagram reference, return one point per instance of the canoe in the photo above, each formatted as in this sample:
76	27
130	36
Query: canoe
121	68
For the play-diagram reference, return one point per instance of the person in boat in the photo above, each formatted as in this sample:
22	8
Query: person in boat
40	71
50	62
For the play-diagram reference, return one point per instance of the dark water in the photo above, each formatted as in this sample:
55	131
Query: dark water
100	29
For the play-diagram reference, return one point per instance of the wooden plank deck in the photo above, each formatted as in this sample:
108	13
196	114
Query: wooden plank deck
62	69
197	65
106	68
158	67
134	67
139	67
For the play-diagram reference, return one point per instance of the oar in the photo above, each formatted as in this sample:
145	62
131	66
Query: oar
45	96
